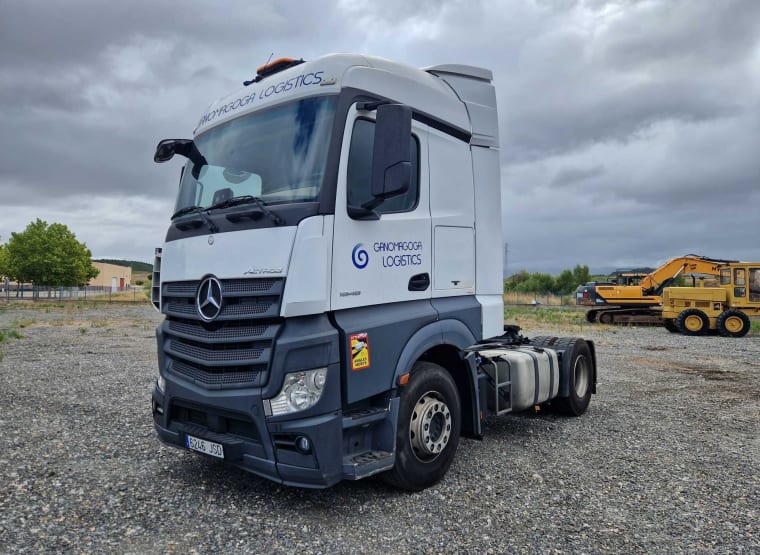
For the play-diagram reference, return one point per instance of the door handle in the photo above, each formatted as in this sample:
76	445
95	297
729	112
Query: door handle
419	282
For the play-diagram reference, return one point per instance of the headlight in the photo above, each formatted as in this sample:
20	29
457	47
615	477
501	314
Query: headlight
300	391
161	383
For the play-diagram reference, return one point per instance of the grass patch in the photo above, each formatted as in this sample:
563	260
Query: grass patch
7	333
530	316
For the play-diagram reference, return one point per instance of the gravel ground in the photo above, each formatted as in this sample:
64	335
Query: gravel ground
666	460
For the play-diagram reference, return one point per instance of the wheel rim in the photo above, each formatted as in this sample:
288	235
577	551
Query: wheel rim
605	318
734	324
582	373
693	323
430	427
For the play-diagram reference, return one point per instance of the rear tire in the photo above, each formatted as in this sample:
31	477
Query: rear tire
427	433
733	323
580	370
670	325
692	322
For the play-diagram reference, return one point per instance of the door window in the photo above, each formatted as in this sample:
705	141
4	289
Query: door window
359	174
754	285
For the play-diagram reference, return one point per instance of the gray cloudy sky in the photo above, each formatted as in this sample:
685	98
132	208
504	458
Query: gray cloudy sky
630	130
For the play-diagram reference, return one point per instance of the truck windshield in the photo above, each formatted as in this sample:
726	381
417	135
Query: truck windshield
277	155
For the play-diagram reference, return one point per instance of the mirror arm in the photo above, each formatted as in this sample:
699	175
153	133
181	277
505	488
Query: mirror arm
361	213
371	106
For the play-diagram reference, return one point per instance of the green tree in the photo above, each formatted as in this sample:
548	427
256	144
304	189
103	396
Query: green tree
513	281
48	255
2	261
537	283
566	283
581	275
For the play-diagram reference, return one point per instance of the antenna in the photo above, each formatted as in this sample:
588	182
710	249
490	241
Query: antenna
251	81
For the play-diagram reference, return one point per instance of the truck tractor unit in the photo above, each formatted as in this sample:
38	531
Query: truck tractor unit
726	309
618	303
331	278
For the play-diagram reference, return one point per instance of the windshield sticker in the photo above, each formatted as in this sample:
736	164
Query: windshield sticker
304	80
359	344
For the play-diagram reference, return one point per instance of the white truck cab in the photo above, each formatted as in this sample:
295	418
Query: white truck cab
332	272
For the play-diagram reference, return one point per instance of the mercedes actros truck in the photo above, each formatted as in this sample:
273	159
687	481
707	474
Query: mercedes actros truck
331	278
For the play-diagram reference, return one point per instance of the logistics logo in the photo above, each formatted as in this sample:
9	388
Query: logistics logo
359	256
359	343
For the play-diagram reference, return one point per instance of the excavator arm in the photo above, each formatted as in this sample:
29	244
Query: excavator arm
654	283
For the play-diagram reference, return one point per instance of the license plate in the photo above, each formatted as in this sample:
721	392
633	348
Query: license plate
205	447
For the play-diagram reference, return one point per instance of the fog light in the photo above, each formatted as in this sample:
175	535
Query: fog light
160	383
303	444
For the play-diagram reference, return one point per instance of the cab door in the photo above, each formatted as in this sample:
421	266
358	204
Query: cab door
386	260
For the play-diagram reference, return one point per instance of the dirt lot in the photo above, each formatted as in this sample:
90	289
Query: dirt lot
666	460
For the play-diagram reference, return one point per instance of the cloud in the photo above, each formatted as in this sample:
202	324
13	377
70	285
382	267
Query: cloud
628	128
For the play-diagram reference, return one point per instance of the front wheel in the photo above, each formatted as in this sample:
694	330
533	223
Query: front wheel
427	434
692	322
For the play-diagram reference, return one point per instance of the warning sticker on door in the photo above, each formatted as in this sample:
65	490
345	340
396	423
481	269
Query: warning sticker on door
359	343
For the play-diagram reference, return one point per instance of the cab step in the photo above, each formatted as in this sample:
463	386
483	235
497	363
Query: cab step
365	464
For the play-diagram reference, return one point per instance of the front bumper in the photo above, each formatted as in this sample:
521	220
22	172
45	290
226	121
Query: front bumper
266	447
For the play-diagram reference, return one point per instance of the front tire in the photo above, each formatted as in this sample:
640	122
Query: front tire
692	322
733	323
428	428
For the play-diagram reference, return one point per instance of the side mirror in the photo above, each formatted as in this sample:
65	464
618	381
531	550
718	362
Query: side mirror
166	149
391	164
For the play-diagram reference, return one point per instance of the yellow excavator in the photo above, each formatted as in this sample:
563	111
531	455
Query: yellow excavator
611	301
725	309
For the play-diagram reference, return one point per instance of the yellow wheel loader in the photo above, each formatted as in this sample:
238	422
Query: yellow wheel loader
726	309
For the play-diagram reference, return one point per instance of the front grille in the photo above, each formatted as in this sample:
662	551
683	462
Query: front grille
235	349
233	330
212	354
249	376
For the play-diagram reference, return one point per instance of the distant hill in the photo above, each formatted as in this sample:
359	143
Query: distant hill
136	265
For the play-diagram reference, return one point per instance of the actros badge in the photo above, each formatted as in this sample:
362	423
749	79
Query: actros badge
208	300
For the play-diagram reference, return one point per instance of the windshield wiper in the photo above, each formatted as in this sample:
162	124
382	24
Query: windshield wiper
247	199
185	210
213	228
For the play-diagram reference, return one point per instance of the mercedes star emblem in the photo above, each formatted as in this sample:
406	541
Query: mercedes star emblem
208	300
